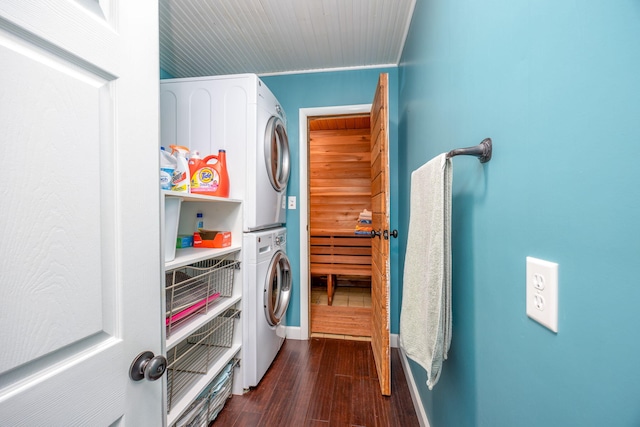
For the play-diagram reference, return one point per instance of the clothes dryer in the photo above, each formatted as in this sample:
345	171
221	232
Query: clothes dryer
265	201
265	298
237	113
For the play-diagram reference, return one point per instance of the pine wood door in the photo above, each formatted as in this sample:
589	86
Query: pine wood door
80	252
380	244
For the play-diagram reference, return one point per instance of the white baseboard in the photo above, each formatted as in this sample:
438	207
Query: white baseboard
294	333
393	341
415	395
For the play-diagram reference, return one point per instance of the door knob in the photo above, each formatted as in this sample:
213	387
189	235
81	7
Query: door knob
394	234
145	365
375	233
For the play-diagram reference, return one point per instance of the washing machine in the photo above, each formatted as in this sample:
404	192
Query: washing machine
237	113
265	298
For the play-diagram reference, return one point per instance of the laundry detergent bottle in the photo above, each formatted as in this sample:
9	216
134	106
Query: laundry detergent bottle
180	181
168	165
195	163
210	175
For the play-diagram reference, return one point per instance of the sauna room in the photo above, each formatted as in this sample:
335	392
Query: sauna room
340	225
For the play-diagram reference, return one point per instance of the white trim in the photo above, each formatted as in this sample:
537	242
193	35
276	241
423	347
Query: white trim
331	70
294	333
415	395
393	341
303	203
406	31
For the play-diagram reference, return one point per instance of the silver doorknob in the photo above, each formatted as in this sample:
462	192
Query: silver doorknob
145	365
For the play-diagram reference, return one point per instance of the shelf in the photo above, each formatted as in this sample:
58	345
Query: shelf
181	332
190	197
220	214
186	256
179	407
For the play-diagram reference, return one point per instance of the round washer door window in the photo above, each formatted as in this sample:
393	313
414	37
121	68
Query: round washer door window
276	153
277	288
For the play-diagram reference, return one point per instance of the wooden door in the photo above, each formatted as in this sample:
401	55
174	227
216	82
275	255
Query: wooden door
380	222
80	251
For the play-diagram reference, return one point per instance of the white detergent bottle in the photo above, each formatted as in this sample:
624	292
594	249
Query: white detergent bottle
168	165
181	177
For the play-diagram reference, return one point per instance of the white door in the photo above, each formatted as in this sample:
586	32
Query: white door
80	292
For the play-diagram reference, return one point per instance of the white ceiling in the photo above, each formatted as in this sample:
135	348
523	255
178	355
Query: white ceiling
216	37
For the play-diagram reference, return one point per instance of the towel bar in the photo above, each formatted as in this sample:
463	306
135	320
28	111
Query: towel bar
482	151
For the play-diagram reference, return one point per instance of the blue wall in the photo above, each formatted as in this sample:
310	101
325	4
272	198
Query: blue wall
556	85
322	90
164	74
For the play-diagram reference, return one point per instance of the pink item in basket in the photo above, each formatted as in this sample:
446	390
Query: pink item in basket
191	309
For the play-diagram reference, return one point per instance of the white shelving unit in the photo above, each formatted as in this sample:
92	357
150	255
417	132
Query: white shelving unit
219	214
188	256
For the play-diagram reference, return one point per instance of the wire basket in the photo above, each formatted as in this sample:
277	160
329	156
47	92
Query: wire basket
193	357
192	289
211	401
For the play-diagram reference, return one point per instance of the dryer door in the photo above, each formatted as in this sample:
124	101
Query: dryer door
277	288
276	153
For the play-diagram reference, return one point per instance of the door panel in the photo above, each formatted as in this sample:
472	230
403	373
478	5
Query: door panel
379	245
78	113
62	281
376	185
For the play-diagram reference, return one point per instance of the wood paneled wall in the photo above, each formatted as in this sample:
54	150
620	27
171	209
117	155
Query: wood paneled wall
339	174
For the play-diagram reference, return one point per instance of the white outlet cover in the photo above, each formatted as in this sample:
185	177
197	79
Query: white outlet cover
292	202
542	292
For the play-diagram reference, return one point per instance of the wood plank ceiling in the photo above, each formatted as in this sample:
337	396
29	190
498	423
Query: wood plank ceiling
217	37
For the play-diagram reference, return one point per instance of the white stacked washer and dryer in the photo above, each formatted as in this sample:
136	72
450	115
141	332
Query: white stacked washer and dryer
239	113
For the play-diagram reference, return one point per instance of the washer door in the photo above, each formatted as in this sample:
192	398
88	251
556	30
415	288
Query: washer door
277	288
276	153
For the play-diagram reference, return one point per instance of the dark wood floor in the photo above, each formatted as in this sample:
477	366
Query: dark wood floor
323	382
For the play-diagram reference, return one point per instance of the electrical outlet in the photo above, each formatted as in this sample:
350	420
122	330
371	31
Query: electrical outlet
542	292
292	202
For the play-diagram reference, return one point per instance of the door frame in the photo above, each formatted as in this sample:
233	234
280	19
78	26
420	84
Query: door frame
304	114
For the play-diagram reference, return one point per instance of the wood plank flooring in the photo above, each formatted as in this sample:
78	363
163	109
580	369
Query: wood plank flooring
323	382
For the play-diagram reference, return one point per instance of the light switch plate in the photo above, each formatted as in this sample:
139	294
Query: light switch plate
542	292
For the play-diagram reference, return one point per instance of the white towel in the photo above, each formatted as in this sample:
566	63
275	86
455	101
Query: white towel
425	319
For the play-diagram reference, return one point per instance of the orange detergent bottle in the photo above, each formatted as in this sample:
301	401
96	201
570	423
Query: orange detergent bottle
209	175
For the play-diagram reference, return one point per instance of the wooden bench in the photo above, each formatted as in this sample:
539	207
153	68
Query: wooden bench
343	254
